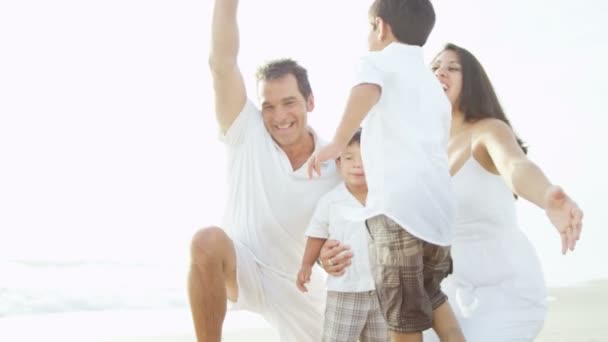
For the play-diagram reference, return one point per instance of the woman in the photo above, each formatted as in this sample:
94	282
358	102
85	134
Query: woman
497	288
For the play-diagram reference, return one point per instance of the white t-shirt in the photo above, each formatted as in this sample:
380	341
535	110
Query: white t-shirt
269	205
404	144
330	221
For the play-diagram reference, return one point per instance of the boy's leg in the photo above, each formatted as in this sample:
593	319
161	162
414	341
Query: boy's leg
445	324
375	329
345	316
397	265
437	266
406	337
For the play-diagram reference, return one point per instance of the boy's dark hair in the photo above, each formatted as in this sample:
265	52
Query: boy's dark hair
356	139
411	21
278	68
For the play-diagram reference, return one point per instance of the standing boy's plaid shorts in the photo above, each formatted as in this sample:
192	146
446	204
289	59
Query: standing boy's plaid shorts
352	317
408	273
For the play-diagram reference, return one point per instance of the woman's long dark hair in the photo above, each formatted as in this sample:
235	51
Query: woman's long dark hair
477	99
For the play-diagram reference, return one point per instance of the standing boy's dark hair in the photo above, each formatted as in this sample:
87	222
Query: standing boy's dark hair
410	20
282	67
356	139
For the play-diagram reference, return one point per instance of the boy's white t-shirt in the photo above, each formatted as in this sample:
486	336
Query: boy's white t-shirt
404	144
269	204
331	221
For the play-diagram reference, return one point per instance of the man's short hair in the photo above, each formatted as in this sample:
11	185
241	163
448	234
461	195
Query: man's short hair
279	68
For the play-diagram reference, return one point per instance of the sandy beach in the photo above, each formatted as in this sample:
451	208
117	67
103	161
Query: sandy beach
127	326
576	314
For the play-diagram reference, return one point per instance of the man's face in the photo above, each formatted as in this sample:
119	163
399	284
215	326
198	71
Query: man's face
285	110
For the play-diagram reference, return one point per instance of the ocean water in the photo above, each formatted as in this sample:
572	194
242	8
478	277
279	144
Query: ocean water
31	287
155	278
39	287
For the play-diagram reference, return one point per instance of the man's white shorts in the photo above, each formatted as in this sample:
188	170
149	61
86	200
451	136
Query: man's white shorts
297	316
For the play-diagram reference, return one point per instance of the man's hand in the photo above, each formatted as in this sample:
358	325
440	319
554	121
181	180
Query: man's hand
328	152
565	215
335	257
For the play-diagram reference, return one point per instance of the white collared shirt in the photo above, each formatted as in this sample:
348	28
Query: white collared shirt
404	144
331	221
269	204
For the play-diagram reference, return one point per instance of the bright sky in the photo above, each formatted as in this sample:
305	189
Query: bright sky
108	142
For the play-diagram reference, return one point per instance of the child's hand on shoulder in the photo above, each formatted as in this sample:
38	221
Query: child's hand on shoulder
328	152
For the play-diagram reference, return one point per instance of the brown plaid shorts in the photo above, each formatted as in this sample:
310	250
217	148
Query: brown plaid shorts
352	317
408	273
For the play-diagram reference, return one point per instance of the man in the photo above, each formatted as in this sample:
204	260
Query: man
270	200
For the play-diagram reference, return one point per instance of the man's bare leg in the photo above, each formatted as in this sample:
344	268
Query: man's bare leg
445	324
211	281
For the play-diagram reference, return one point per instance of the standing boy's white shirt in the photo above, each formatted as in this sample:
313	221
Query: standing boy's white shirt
331	221
404	144
269	204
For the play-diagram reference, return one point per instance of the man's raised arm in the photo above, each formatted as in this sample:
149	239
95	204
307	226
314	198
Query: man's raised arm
228	84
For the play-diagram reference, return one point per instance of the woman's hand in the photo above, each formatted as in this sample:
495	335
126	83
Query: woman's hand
565	215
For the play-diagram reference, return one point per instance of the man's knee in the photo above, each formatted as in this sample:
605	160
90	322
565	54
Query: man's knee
209	245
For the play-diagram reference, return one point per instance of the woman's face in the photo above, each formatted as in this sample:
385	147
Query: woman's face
448	71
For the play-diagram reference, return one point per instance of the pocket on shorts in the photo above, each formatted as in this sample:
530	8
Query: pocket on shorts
388	289
439	260
401	250
389	276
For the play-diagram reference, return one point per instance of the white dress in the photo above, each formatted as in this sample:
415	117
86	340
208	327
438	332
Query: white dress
497	289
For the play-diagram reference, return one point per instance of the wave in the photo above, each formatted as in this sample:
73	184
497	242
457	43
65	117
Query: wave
35	286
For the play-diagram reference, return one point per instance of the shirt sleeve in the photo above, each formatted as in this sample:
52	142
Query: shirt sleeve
247	119
319	224
366	71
